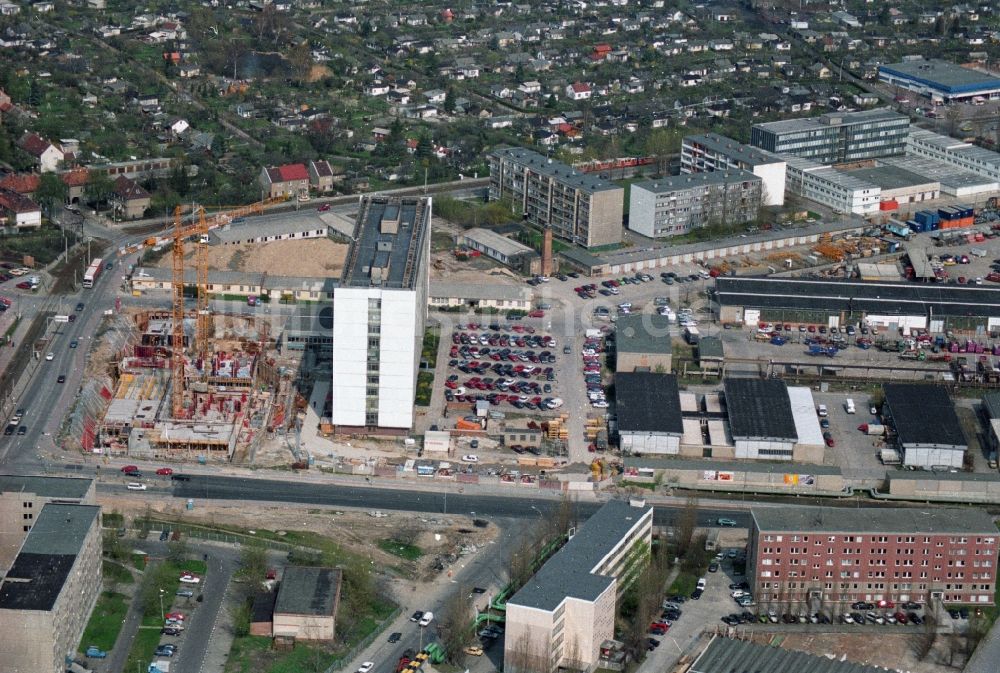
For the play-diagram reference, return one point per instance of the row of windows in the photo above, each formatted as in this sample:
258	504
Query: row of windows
900	539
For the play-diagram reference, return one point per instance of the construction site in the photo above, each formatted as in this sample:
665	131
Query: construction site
186	383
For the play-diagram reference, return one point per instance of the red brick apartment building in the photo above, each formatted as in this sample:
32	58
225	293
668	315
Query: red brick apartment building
831	556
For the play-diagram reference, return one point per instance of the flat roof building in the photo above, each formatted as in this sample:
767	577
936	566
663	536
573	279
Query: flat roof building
927	428
678	204
22	499
711	152
643	343
649	413
870	554
841	191
727	655
560	617
835	137
379	312
503	249
898	184
307	603
760	418
47	595
477	295
579	207
926	144
941	81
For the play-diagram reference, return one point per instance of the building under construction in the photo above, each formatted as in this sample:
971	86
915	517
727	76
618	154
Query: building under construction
231	398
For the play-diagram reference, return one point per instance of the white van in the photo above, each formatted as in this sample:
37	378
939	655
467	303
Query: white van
135	486
821	411
849	405
426	619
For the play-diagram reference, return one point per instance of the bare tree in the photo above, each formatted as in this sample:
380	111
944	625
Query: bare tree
525	656
925	643
453	628
686	524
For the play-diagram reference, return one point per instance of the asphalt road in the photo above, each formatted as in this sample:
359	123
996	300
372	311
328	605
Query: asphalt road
235	488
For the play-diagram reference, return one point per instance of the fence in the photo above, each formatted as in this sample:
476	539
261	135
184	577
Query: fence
227	537
368	640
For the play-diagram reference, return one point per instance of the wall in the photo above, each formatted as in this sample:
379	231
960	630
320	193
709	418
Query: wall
605	226
629	362
304	627
641	211
756	448
773	176
350	351
527	639
397	374
925	456
650	443
27	643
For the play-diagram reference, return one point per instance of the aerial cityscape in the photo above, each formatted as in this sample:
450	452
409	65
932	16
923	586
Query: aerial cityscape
384	336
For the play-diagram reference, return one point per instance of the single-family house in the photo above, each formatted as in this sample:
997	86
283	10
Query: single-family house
129	200
19	210
288	180
321	175
578	91
47	155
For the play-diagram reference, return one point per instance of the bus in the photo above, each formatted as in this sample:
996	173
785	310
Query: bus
92	272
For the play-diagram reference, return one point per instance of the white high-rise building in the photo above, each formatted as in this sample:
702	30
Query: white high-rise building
379	311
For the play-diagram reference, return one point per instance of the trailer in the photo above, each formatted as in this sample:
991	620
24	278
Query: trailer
889	457
873	429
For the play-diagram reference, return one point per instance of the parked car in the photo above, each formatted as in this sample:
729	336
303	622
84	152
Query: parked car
165	471
426	619
94	652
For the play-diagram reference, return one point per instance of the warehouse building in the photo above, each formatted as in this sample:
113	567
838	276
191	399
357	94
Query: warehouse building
765	425
259	230
503	249
898	186
579	207
560	617
871	554
643	344
940	81
379	311
835	137
954	180
675	205
47	595
927	428
833	302
726	655
710	152
471	296
842	192
729	476
649	413
953	152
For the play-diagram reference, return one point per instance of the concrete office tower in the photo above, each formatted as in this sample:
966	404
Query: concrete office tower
379	311
580	207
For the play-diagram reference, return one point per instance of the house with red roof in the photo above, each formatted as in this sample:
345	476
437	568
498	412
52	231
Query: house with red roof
46	154
25	184
288	180
76	180
19	210
578	91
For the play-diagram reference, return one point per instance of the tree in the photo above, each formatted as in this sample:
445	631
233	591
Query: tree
424	146
453	629
99	188
662	144
301	59
449	100
51	192
253	564
686	524
177	551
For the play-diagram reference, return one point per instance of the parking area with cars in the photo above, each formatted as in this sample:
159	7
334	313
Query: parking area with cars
507	364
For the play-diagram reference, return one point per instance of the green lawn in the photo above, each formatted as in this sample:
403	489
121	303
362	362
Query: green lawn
684	584
410	552
114	571
105	622
143	646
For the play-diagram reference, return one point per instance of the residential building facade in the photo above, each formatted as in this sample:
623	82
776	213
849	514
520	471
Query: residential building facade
580	208
711	152
290	180
836	137
19	210
831	557
676	205
49	592
129	199
563	614
379	312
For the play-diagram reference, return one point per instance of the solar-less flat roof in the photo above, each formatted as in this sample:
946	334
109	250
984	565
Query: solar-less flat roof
569	573
943	75
830	120
923	415
759	409
643	333
683	181
852	295
399	253
587	182
891	177
648	402
308	591
873	520
747	154
46	487
725	655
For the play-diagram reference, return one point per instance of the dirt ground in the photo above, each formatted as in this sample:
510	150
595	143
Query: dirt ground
318	257
895	652
355	530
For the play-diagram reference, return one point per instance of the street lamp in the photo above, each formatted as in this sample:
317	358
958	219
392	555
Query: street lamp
161	603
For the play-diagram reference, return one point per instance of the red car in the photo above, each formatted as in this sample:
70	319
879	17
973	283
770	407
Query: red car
165	471
323	208
886	604
536	314
174	615
25	285
130	468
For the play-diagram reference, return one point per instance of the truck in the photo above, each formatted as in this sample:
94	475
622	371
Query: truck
93	271
692	335
873	429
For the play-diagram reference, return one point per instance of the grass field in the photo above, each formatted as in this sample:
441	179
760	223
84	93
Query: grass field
115	572
410	552
683	584
105	622
143	646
